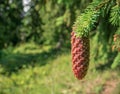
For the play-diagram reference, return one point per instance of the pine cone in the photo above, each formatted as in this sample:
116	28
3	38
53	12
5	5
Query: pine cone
80	55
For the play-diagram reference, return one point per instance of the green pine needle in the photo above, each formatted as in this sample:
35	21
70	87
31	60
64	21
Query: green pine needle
115	16
85	22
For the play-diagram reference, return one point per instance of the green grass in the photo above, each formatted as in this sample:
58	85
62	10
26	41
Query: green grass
30	69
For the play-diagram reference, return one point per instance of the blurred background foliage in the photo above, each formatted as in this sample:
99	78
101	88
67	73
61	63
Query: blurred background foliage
35	48
45	22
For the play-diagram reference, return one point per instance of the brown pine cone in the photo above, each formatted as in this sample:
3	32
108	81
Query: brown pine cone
80	55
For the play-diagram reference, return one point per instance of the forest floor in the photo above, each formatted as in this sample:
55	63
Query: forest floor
32	69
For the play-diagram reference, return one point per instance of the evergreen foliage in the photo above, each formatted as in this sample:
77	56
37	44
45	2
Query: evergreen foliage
45	22
86	21
107	16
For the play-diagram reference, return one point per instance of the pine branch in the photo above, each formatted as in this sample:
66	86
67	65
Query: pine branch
86	21
102	4
118	2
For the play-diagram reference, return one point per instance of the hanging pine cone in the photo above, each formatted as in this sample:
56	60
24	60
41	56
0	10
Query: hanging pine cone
80	55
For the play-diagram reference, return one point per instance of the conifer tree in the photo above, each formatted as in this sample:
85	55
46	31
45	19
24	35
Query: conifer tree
104	16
